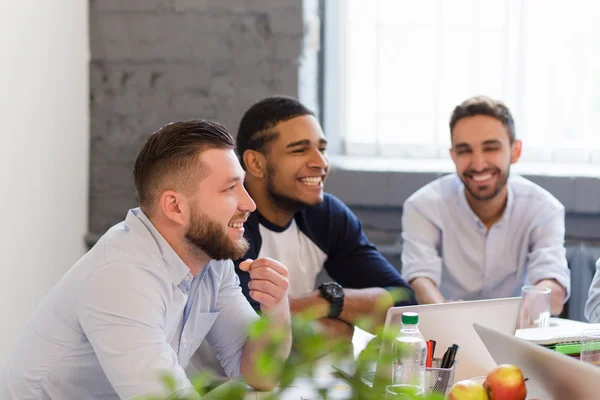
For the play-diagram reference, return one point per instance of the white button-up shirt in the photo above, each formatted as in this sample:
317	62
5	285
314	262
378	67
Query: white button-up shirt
126	313
445	241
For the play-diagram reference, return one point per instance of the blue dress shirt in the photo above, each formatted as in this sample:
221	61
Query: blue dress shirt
126	313
445	241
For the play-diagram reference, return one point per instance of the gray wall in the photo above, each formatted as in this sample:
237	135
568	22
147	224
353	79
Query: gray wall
156	61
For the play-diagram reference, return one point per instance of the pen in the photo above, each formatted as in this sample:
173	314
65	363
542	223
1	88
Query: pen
452	356
445	358
429	358
449	356
433	349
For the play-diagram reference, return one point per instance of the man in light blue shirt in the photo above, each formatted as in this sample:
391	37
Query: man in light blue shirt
592	305
478	233
155	286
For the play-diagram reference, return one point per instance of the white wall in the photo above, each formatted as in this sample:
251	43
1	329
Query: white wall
44	152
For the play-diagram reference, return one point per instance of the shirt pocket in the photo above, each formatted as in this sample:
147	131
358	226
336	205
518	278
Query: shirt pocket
201	325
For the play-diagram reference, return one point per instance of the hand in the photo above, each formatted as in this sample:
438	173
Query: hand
336	329
268	282
557	294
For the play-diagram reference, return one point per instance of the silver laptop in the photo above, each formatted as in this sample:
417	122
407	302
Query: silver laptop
450	323
551	375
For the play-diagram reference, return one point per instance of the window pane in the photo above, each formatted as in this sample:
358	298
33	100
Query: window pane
360	110
408	64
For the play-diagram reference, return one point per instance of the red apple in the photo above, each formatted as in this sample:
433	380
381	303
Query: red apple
467	390
506	382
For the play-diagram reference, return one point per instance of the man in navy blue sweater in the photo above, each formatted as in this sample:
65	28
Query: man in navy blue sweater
283	151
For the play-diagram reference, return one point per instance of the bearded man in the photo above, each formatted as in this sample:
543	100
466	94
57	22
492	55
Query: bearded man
480	233
283	150
157	285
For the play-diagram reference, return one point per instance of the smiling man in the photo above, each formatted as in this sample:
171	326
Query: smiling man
158	284
284	153
478	233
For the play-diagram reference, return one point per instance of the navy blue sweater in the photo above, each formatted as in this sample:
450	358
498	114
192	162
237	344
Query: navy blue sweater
349	258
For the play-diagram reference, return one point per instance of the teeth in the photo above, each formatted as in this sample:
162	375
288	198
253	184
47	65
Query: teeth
482	177
237	225
312	181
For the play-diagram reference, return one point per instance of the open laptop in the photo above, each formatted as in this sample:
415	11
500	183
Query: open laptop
551	375
450	323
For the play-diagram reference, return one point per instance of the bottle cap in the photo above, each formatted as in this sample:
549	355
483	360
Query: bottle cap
411	318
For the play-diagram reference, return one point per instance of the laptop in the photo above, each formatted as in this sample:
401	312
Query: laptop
551	375
449	323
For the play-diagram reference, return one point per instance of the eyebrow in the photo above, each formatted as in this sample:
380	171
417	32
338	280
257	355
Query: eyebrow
465	146
233	179
461	146
304	142
492	141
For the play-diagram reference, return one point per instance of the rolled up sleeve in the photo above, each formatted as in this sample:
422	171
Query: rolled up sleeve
547	256
229	334
123	320
420	243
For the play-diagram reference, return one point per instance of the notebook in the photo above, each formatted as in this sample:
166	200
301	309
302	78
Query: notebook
555	334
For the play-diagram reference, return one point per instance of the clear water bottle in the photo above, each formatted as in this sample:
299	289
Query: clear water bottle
409	353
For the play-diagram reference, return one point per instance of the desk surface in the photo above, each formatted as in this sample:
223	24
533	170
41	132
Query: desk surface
304	388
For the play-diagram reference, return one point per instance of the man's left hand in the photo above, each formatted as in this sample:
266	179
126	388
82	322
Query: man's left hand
557	294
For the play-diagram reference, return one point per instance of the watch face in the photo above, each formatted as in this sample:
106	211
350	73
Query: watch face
334	291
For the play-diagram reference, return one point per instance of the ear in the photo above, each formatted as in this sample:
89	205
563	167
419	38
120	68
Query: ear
255	163
516	149
174	206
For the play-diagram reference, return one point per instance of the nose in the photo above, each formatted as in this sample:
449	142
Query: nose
318	159
246	203
478	161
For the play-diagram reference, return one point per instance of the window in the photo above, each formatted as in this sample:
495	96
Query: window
402	66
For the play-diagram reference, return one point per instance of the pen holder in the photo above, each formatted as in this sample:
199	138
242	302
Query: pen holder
437	379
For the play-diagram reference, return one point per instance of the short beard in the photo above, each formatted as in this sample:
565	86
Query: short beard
209	237
503	178
281	200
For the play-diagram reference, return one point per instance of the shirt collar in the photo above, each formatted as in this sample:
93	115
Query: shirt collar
464	204
177	268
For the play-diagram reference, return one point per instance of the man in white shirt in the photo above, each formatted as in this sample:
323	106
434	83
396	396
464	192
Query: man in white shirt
479	233
592	305
158	284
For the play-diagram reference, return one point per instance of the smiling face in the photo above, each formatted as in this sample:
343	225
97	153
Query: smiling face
483	154
219	207
297	164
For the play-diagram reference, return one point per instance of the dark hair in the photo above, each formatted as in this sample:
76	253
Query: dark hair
255	131
482	105
175	149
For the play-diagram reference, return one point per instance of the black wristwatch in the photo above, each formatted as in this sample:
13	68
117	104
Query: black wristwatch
334	294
